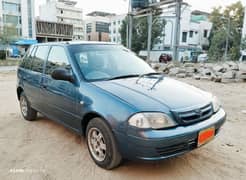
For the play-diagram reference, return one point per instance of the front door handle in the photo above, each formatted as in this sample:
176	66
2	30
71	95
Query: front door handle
44	86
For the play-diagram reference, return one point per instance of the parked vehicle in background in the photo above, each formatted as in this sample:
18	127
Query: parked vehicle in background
117	101
202	57
243	56
165	58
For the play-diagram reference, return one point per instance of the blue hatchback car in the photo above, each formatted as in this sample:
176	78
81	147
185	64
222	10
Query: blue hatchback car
117	101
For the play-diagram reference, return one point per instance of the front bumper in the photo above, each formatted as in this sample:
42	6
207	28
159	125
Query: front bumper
162	144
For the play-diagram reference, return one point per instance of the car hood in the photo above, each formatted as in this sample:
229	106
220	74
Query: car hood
146	96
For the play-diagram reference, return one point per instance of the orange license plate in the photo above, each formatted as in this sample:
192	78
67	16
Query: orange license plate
205	135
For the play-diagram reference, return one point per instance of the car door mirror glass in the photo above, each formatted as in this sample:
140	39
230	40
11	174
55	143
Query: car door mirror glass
63	74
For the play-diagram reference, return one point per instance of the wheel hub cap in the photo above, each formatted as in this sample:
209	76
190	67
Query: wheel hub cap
96	144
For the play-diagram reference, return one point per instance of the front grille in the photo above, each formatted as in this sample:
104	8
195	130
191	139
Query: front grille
194	115
175	149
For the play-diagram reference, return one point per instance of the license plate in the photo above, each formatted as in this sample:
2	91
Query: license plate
205	135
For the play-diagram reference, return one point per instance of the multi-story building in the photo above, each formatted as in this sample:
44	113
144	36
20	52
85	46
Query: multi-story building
194	29
64	11
97	26
115	26
19	15
53	31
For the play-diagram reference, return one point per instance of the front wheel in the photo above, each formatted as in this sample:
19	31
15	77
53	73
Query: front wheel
27	111
101	144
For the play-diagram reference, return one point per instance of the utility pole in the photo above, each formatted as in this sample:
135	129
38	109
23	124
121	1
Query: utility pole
150	19
227	38
177	30
130	31
129	26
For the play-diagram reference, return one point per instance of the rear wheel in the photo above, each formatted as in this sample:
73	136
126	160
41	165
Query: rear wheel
27	111
101	144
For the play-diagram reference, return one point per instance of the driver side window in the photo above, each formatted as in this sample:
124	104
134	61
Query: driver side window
57	59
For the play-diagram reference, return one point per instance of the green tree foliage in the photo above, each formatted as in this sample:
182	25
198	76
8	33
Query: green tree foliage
219	18
8	35
140	32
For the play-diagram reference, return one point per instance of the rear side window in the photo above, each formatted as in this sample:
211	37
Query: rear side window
39	58
27	60
57	59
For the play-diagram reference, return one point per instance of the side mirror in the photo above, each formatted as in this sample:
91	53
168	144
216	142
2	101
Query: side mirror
62	74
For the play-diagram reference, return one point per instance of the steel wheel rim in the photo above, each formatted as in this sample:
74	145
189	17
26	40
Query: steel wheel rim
96	144
23	105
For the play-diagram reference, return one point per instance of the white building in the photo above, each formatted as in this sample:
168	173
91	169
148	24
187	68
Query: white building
64	11
114	27
18	14
97	26
194	29
244	25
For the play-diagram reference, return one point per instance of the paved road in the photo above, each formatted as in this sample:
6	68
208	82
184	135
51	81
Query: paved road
7	68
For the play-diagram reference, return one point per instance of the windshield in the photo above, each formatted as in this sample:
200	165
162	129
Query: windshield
104	62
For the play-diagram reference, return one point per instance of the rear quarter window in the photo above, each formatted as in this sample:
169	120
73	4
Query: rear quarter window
27	59
39	58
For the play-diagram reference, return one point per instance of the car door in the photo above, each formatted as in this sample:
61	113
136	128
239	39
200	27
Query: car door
61	97
37	69
33	75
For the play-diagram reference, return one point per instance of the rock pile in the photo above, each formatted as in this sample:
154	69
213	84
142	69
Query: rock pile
224	72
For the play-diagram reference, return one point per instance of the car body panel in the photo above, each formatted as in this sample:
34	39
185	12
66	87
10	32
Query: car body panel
167	93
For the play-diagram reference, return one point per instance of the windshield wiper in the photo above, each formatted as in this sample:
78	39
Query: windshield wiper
124	76
148	74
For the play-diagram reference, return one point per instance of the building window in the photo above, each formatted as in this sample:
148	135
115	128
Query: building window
88	28
114	30
119	22
114	23
205	33
14	20
184	37
102	27
191	34
61	11
12	7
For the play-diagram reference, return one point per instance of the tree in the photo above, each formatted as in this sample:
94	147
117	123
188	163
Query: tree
140	32
7	36
220	20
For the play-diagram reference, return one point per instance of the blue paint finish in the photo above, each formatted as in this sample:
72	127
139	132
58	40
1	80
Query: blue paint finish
116	101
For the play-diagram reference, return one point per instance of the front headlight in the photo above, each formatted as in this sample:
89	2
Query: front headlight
216	104
151	120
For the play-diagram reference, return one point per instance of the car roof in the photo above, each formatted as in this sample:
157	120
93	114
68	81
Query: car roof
66	43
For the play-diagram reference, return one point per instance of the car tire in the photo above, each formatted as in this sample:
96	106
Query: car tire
100	141
27	111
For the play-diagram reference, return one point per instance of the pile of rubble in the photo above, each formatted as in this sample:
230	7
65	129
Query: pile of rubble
224	72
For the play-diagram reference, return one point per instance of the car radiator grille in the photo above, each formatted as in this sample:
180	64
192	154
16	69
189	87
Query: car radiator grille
194	115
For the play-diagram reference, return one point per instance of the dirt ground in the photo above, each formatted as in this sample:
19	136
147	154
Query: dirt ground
46	150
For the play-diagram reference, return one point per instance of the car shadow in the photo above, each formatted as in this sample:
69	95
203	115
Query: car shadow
131	168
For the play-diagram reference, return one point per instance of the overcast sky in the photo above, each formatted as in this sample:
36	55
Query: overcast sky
120	6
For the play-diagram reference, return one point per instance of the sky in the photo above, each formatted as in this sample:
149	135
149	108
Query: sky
121	6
